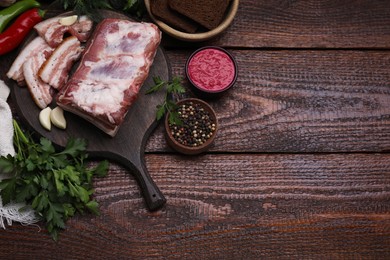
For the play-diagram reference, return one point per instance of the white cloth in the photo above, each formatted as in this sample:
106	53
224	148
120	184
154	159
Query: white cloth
10	212
6	128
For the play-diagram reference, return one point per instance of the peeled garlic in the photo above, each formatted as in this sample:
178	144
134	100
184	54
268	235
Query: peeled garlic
68	20
44	118
57	118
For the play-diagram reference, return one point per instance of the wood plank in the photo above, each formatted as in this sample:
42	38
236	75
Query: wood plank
230	205
307	24
301	24
300	101
289	206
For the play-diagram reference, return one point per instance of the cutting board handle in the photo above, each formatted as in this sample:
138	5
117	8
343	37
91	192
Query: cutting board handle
153	197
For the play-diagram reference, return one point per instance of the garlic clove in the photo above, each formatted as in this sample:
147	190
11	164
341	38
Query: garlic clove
44	118
57	118
68	20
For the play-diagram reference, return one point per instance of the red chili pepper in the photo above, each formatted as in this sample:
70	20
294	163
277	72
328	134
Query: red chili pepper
15	34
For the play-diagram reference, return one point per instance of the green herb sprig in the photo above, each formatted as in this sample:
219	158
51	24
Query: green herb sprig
55	184
89	7
173	89
133	7
86	7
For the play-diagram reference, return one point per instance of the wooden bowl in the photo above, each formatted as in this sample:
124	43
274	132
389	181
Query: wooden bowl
188	149
201	36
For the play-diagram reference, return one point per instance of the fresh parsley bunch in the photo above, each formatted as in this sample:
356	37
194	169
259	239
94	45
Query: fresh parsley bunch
55	184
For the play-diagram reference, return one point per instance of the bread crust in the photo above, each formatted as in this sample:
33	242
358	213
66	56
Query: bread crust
161	9
207	13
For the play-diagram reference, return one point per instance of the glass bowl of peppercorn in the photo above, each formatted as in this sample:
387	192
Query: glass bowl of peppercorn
192	127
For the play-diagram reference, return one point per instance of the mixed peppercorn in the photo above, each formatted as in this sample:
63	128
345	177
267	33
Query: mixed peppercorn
197	125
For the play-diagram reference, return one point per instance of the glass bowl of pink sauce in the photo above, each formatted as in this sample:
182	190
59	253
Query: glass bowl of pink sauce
211	71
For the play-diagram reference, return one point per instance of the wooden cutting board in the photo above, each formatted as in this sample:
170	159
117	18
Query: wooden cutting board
127	147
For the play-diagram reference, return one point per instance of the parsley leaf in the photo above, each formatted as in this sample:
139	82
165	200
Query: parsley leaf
161	109
159	84
6	164
7	187
74	147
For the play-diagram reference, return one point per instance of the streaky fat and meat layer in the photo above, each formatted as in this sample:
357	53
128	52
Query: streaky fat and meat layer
44	63
53	31
55	70
37	45
114	66
40	91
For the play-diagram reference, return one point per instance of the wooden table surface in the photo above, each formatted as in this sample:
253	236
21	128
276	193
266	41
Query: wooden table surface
300	168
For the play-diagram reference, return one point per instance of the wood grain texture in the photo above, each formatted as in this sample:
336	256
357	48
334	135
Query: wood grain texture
301	101
307	24
300	168
278	206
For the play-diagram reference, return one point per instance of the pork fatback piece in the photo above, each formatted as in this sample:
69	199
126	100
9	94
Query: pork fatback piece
56	68
114	66
53	31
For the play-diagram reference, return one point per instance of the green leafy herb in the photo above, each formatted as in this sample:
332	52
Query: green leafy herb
172	88
135	7
55	184
89	7
86	7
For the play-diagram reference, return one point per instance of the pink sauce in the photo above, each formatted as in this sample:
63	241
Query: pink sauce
211	69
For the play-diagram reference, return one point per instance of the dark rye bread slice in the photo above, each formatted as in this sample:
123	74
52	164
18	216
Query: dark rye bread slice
208	13
161	10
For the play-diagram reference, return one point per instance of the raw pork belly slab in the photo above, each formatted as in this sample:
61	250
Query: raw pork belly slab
114	66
